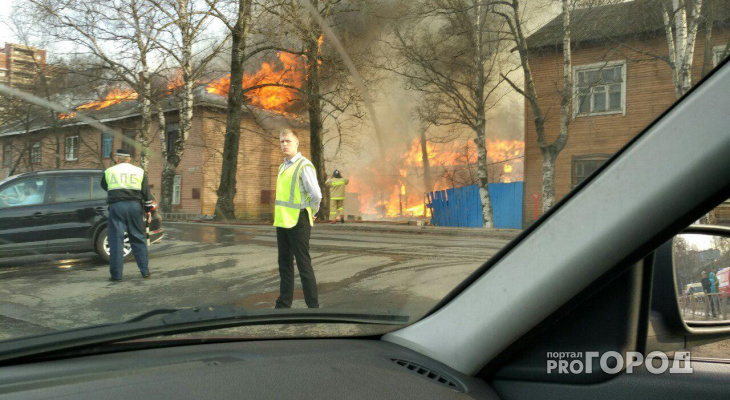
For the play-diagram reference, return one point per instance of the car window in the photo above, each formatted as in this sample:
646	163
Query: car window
97	193
27	192
72	188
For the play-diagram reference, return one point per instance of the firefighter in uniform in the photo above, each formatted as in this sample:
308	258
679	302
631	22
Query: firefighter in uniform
130	204
337	193
297	200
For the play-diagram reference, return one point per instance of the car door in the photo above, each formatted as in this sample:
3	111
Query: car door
24	216
74	213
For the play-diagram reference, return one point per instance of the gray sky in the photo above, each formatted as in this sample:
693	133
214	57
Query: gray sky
6	35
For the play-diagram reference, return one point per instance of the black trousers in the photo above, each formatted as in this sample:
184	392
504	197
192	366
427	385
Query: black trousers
294	243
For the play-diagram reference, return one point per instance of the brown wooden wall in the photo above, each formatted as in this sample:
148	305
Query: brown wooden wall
649	92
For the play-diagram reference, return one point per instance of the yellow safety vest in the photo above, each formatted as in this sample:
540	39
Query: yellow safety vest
289	202
124	176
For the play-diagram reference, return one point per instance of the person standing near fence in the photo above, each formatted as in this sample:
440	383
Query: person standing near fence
714	289
297	200
707	288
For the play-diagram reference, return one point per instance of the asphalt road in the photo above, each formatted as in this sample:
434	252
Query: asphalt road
198	264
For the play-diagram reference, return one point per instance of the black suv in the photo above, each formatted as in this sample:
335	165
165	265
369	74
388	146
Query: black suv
60	211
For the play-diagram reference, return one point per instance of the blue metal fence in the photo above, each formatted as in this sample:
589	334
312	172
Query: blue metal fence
462	207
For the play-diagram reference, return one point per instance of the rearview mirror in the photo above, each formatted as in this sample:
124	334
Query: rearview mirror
702	272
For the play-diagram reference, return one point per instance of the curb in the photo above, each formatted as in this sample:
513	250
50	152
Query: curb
506	234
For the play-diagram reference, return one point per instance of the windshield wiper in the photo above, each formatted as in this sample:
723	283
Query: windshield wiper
177	321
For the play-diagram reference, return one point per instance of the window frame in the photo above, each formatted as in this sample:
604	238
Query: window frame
584	157
177	187
599	66
111	144
66	148
716	51
36	146
168	129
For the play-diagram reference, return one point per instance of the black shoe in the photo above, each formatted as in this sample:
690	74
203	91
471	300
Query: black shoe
148	276
114	280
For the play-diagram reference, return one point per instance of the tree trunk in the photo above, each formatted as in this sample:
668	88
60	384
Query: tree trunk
707	57
167	183
146	124
427	181
314	108
483	177
480	126
224	207
548	178
172	159
550	153
681	31
144	130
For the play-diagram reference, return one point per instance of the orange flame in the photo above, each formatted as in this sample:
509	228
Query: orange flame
273	98
445	159
176	82
113	97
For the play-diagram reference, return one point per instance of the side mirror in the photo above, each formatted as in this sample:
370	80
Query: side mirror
688	306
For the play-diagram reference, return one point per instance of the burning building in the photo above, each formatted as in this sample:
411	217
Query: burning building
69	142
399	191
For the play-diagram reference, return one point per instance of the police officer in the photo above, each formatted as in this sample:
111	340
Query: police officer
130	203
337	185
297	200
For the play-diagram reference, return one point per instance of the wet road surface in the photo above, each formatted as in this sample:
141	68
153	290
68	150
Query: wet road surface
198	264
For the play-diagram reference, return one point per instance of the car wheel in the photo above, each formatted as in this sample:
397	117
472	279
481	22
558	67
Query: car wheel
102	246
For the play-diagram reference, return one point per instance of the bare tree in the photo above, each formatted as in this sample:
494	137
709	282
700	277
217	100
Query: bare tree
681	22
240	23
224	208
122	35
327	90
511	11
454	66
184	32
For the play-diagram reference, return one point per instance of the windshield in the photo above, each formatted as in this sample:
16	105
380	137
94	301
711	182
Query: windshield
349	155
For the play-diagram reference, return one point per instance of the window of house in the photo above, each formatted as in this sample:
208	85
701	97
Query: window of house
719	53
35	153
172	131
130	137
72	148
600	89
8	155
584	166
176	190
107	141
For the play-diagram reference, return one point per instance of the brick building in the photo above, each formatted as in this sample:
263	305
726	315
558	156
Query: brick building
74	144
19	65
614	47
